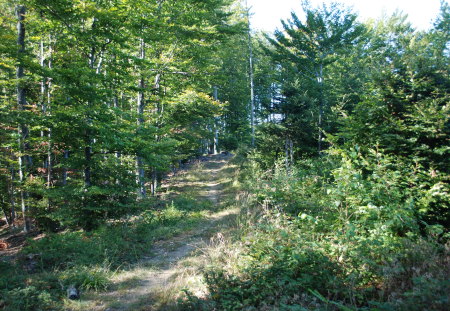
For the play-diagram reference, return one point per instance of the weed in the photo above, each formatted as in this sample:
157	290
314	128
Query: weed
86	278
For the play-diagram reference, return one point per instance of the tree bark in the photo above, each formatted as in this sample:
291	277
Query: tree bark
24	159
321	107
45	104
12	200
154	181
140	171
216	126
64	174
87	133
252	91
49	135
116	106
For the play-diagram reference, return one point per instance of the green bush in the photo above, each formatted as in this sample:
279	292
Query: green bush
29	298
31	292
278	266
345	229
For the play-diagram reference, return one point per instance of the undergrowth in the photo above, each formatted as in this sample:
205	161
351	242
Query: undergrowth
324	235
88	260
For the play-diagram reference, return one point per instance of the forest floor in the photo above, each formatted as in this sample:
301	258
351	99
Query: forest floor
175	264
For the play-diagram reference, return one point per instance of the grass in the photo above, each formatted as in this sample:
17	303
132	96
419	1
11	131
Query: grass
87	260
112	257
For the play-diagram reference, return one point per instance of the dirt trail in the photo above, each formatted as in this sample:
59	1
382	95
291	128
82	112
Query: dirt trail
141	287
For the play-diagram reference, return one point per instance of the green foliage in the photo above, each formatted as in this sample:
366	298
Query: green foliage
307	52
87	259
30	298
193	115
22	292
82	80
345	229
86	278
361	226
279	265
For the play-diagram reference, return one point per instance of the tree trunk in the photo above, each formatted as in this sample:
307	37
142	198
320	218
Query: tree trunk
321	106
116	106
88	160
12	200
64	174
7	217
291	150
49	135
154	181
286	152
140	171
45	104
87	133
216	126
24	159
252	91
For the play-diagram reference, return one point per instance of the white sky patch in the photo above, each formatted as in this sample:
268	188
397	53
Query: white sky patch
421	13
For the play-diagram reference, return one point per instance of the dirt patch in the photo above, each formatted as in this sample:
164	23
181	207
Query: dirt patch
13	240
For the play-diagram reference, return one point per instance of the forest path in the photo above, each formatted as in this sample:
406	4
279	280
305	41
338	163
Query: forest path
173	264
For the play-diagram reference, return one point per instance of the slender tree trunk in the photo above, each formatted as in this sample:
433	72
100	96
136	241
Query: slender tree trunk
43	80
45	104
216	126
116	106
216	138
154	181
24	159
88	159
140	171
291	150
321	107
12	200
64	173
286	152
7	217
252	91
159	111
49	135
87	133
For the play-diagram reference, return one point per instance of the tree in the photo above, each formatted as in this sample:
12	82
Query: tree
101	79
305	50
404	113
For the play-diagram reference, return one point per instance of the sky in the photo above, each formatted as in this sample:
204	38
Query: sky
421	13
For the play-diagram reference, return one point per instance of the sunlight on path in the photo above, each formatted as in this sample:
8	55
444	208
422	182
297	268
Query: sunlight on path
172	264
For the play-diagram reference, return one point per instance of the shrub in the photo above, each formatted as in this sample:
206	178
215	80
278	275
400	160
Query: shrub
278	266
347	234
29	298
